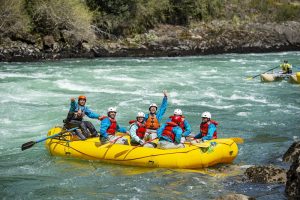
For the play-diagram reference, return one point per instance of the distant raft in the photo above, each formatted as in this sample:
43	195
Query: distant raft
191	157
292	78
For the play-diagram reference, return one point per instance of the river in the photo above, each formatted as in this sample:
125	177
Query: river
36	97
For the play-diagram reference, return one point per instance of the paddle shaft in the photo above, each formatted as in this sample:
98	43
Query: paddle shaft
264	72
29	144
55	135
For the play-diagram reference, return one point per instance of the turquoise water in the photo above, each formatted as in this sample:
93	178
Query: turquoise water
35	97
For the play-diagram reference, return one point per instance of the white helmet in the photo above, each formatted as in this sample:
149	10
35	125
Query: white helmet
177	112
111	109
140	114
152	105
206	114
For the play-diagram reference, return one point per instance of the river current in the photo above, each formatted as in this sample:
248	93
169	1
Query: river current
36	97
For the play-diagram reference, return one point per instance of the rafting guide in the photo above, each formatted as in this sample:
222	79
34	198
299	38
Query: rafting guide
75	118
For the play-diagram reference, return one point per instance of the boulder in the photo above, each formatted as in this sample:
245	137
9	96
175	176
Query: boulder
292	187
235	197
266	174
292	153
48	42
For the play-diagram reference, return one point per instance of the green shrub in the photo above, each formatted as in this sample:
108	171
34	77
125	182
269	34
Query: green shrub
50	17
288	12
14	19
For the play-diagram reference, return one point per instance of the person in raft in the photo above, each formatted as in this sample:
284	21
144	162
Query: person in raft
75	118
109	127
154	117
286	67
137	131
208	129
169	134
184	124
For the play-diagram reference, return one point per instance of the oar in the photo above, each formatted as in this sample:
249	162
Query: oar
110	143
127	151
252	77
28	145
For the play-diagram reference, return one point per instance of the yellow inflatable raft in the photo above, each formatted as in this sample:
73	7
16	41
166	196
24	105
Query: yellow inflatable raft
292	78
191	157
295	78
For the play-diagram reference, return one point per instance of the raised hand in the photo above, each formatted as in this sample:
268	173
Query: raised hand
165	93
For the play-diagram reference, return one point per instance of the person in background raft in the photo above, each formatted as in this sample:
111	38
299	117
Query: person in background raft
75	118
184	124
208	129
109	127
169	134
286	67
153	119
137	131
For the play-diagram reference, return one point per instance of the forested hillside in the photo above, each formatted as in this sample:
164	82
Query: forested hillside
61	25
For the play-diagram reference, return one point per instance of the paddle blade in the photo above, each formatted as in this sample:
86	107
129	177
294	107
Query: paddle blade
238	140
27	145
249	78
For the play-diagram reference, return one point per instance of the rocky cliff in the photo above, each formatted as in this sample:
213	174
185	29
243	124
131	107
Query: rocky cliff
164	40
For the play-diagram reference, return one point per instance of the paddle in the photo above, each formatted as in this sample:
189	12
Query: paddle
28	145
252	77
127	151
110	143
237	140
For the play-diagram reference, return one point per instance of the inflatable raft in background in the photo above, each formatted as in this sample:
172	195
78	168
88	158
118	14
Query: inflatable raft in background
292	78
191	157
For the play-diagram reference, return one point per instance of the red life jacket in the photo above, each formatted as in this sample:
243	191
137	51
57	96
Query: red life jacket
204	128
113	125
141	130
181	123
168	130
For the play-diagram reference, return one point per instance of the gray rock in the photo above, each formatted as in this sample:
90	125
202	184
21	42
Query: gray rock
266	174
235	197
292	188
292	153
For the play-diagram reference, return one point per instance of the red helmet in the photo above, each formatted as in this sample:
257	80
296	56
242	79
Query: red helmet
177	119
82	97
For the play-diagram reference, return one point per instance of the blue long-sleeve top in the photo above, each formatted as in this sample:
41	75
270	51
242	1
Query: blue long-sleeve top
105	124
211	129
187	127
74	107
177	131
132	132
161	111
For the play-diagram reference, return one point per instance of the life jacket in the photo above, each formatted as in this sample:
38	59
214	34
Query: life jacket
181	123
113	125
168	130
286	67
152	122
141	130
204	128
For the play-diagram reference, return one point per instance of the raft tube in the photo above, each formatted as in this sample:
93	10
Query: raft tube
191	157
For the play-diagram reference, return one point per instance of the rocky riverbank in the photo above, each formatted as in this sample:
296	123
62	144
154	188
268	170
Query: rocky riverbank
165	40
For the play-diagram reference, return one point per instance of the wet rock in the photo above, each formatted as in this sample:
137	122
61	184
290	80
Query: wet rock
292	188
292	153
235	197
266	174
